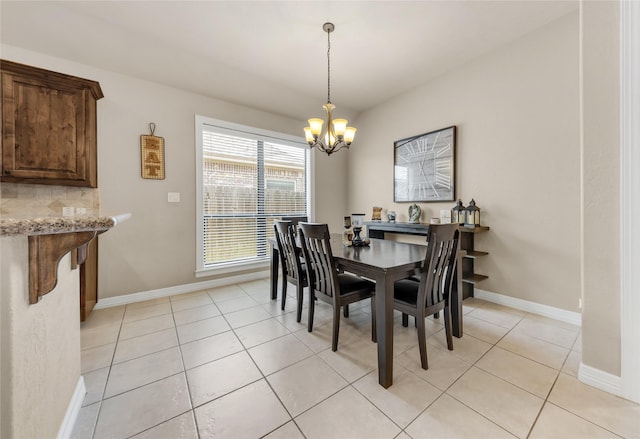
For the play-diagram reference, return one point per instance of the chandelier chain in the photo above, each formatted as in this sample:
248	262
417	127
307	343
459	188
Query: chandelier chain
329	67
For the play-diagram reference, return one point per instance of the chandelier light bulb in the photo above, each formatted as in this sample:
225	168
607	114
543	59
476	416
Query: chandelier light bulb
349	134
315	124
340	126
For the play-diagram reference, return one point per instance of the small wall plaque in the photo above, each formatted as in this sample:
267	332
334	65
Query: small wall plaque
152	155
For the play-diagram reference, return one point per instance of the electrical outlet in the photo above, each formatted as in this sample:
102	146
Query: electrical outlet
81	210
580	303
173	197
68	211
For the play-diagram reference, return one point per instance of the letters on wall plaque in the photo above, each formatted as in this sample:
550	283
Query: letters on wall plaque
152	155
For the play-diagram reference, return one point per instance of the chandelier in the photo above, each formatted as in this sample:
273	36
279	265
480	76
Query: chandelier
336	134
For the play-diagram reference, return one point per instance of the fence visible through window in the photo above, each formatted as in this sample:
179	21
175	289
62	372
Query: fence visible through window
247	185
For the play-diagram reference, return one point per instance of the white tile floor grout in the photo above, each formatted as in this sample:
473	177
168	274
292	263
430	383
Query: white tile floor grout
227	362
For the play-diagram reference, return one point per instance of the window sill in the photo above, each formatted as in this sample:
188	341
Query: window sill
232	268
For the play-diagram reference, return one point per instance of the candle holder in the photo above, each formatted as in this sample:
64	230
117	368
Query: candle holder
347	233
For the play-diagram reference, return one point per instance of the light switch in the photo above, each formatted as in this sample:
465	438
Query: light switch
173	197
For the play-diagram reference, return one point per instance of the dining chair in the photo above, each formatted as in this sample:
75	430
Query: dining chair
292	265
328	284
431	293
295	220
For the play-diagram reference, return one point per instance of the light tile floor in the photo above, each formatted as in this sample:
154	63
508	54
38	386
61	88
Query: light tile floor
228	363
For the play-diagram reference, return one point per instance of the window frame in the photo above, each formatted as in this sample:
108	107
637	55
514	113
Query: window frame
250	132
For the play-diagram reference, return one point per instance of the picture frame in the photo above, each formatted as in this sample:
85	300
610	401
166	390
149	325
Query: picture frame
424	167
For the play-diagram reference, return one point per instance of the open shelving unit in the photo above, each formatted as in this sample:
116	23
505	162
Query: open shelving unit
467	243
377	229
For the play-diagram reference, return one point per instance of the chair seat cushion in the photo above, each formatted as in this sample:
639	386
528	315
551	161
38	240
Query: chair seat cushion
350	283
406	290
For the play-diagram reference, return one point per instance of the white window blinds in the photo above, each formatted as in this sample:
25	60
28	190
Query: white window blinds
249	179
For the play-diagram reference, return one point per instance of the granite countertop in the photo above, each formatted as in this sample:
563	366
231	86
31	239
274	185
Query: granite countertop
54	225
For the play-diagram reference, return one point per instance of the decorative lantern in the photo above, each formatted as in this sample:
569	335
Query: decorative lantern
472	214
458	213
357	220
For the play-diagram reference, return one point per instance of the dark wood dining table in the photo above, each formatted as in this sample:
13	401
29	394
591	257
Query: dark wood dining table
384	262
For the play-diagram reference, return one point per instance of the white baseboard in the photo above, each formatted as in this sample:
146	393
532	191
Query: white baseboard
71	415
178	289
600	379
589	375
575	318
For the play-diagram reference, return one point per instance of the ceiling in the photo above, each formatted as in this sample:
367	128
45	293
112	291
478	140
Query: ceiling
271	55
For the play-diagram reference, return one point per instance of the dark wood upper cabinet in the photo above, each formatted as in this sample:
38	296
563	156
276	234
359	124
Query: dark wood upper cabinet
48	127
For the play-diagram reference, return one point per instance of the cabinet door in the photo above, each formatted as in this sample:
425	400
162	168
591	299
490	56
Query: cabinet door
44	131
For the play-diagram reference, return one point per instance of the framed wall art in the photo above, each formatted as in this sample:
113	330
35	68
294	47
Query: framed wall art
424	167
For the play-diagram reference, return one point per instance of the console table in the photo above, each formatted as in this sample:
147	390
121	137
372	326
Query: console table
377	229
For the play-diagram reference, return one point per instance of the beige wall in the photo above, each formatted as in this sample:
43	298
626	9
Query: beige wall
601	185
40	346
331	189
156	248
517	114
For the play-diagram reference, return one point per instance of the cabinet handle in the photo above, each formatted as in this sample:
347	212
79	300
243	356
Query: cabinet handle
7	171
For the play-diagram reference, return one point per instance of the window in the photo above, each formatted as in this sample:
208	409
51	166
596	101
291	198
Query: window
246	179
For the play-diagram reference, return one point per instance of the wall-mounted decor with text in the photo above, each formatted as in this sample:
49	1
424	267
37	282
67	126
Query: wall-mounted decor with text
424	167
152	155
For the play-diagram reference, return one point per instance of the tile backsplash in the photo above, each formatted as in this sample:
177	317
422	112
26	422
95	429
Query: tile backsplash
39	200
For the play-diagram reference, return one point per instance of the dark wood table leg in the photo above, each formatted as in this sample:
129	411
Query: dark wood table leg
275	264
384	329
